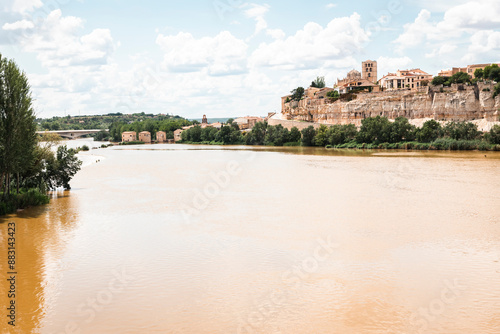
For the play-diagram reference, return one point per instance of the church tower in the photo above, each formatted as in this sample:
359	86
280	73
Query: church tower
369	70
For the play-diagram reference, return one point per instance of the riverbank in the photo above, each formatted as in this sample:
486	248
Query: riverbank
438	145
25	199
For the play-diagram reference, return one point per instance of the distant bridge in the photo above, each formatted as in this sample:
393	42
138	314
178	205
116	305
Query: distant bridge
72	134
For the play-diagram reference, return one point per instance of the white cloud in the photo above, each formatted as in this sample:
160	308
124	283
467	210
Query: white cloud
313	46
458	21
276	33
483	14
441	51
485	42
18	25
331	5
57	42
257	13
223	54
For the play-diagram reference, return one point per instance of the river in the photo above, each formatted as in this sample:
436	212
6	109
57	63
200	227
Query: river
204	239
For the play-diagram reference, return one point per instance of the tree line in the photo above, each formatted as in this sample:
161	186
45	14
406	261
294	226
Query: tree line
489	73
28	168
168	125
375	132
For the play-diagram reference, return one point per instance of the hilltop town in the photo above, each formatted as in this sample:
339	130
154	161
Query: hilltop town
459	94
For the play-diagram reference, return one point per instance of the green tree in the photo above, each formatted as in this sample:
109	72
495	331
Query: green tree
401	130
17	124
297	93
494	134
257	135
496	90
459	77
276	135
461	130
62	169
478	73
491	72
208	133
341	134
319	82
321	137
295	135
438	80
374	130
430	131
308	135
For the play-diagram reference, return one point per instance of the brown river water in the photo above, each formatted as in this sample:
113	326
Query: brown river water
200	239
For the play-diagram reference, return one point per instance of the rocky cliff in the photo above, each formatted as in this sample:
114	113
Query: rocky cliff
459	102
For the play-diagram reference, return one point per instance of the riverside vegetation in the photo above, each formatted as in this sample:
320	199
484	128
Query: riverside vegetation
28	165
374	133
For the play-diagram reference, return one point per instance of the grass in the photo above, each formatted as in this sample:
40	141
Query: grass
13	202
444	144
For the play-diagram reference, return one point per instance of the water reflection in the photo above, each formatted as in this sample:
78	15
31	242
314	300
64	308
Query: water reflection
42	234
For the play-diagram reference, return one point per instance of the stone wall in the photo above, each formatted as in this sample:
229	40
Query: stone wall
289	124
459	103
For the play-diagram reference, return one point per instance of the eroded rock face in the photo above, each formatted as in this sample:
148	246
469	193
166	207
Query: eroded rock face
458	103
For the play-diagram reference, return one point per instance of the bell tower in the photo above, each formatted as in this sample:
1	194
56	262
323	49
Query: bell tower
369	70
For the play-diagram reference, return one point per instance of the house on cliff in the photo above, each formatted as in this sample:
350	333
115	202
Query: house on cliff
470	69
404	79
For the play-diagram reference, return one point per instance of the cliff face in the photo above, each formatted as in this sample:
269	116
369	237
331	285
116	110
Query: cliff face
459	103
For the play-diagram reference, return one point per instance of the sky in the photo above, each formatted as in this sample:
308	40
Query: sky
227	58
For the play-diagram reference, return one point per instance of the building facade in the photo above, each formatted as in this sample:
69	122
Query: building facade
161	137
470	69
369	68
405	79
145	136
129	136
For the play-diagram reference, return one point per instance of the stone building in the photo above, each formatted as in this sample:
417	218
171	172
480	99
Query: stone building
358	85
470	69
351	76
129	136
405	79
161	137
177	135
248	122
145	136
369	68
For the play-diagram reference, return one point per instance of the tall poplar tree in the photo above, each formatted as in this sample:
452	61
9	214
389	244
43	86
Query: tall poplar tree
17	124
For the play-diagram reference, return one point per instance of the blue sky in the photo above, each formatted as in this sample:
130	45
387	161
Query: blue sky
227	57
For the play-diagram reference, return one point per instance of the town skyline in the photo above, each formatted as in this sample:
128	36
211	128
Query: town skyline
228	58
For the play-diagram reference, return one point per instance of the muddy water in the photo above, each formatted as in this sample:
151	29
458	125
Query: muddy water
195	239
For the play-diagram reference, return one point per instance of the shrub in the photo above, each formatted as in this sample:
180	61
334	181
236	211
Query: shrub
85	148
494	135
13	202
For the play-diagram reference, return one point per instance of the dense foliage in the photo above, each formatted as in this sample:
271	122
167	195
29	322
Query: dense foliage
319	82
297	93
457	78
380	132
168	125
27	170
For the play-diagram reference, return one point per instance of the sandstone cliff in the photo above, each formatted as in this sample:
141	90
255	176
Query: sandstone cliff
459	102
